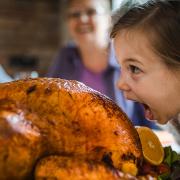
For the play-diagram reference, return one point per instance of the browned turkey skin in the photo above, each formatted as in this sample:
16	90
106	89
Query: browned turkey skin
48	116
58	167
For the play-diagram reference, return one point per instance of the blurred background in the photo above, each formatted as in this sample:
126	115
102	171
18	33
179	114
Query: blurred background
31	32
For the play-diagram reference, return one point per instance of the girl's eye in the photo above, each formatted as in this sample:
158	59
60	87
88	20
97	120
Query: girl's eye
134	69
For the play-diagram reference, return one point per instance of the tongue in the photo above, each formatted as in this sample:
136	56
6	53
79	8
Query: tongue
148	114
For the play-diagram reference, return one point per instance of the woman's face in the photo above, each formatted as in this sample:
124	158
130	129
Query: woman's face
87	20
145	78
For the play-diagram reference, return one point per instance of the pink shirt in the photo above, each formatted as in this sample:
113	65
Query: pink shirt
94	80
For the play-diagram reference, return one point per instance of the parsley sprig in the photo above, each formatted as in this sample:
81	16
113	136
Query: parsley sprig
172	159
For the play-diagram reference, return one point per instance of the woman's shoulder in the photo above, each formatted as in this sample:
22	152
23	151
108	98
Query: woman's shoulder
69	50
72	47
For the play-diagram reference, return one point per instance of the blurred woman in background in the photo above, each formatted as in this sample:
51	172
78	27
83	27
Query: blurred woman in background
89	58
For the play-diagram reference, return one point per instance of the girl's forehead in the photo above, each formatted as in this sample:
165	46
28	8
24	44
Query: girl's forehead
140	40
135	45
132	34
133	38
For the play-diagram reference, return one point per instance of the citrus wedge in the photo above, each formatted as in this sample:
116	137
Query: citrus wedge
153	151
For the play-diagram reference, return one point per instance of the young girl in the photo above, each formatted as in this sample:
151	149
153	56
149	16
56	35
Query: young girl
147	45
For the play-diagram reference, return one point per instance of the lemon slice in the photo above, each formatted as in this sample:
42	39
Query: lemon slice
153	151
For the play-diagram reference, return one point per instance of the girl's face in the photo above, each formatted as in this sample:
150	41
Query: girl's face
145	78
88	21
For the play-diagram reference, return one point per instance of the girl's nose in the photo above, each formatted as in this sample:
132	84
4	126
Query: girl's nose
122	84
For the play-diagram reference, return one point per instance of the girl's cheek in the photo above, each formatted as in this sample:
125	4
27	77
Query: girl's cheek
134	84
130	79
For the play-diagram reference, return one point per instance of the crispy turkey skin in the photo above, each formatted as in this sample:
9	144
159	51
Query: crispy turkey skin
61	167
51	116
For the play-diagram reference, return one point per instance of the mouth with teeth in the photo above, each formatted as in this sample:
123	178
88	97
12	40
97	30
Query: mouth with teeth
148	112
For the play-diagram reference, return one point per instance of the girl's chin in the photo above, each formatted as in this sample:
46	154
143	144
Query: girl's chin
162	120
154	116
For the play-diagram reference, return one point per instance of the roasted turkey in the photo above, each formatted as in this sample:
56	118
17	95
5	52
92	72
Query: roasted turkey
48	116
69	168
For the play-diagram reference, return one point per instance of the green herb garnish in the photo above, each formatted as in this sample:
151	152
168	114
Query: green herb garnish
172	159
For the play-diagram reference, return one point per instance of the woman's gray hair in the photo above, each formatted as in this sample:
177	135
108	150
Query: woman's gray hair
105	4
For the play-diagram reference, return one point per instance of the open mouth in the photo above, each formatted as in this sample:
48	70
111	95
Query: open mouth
148	113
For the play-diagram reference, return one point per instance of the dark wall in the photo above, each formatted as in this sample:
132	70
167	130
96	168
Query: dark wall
30	28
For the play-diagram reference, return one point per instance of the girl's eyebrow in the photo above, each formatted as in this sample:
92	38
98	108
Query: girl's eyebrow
133	60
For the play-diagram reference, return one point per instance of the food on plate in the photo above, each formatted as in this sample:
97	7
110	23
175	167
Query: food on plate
129	167
152	148
168	169
160	162
45	116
